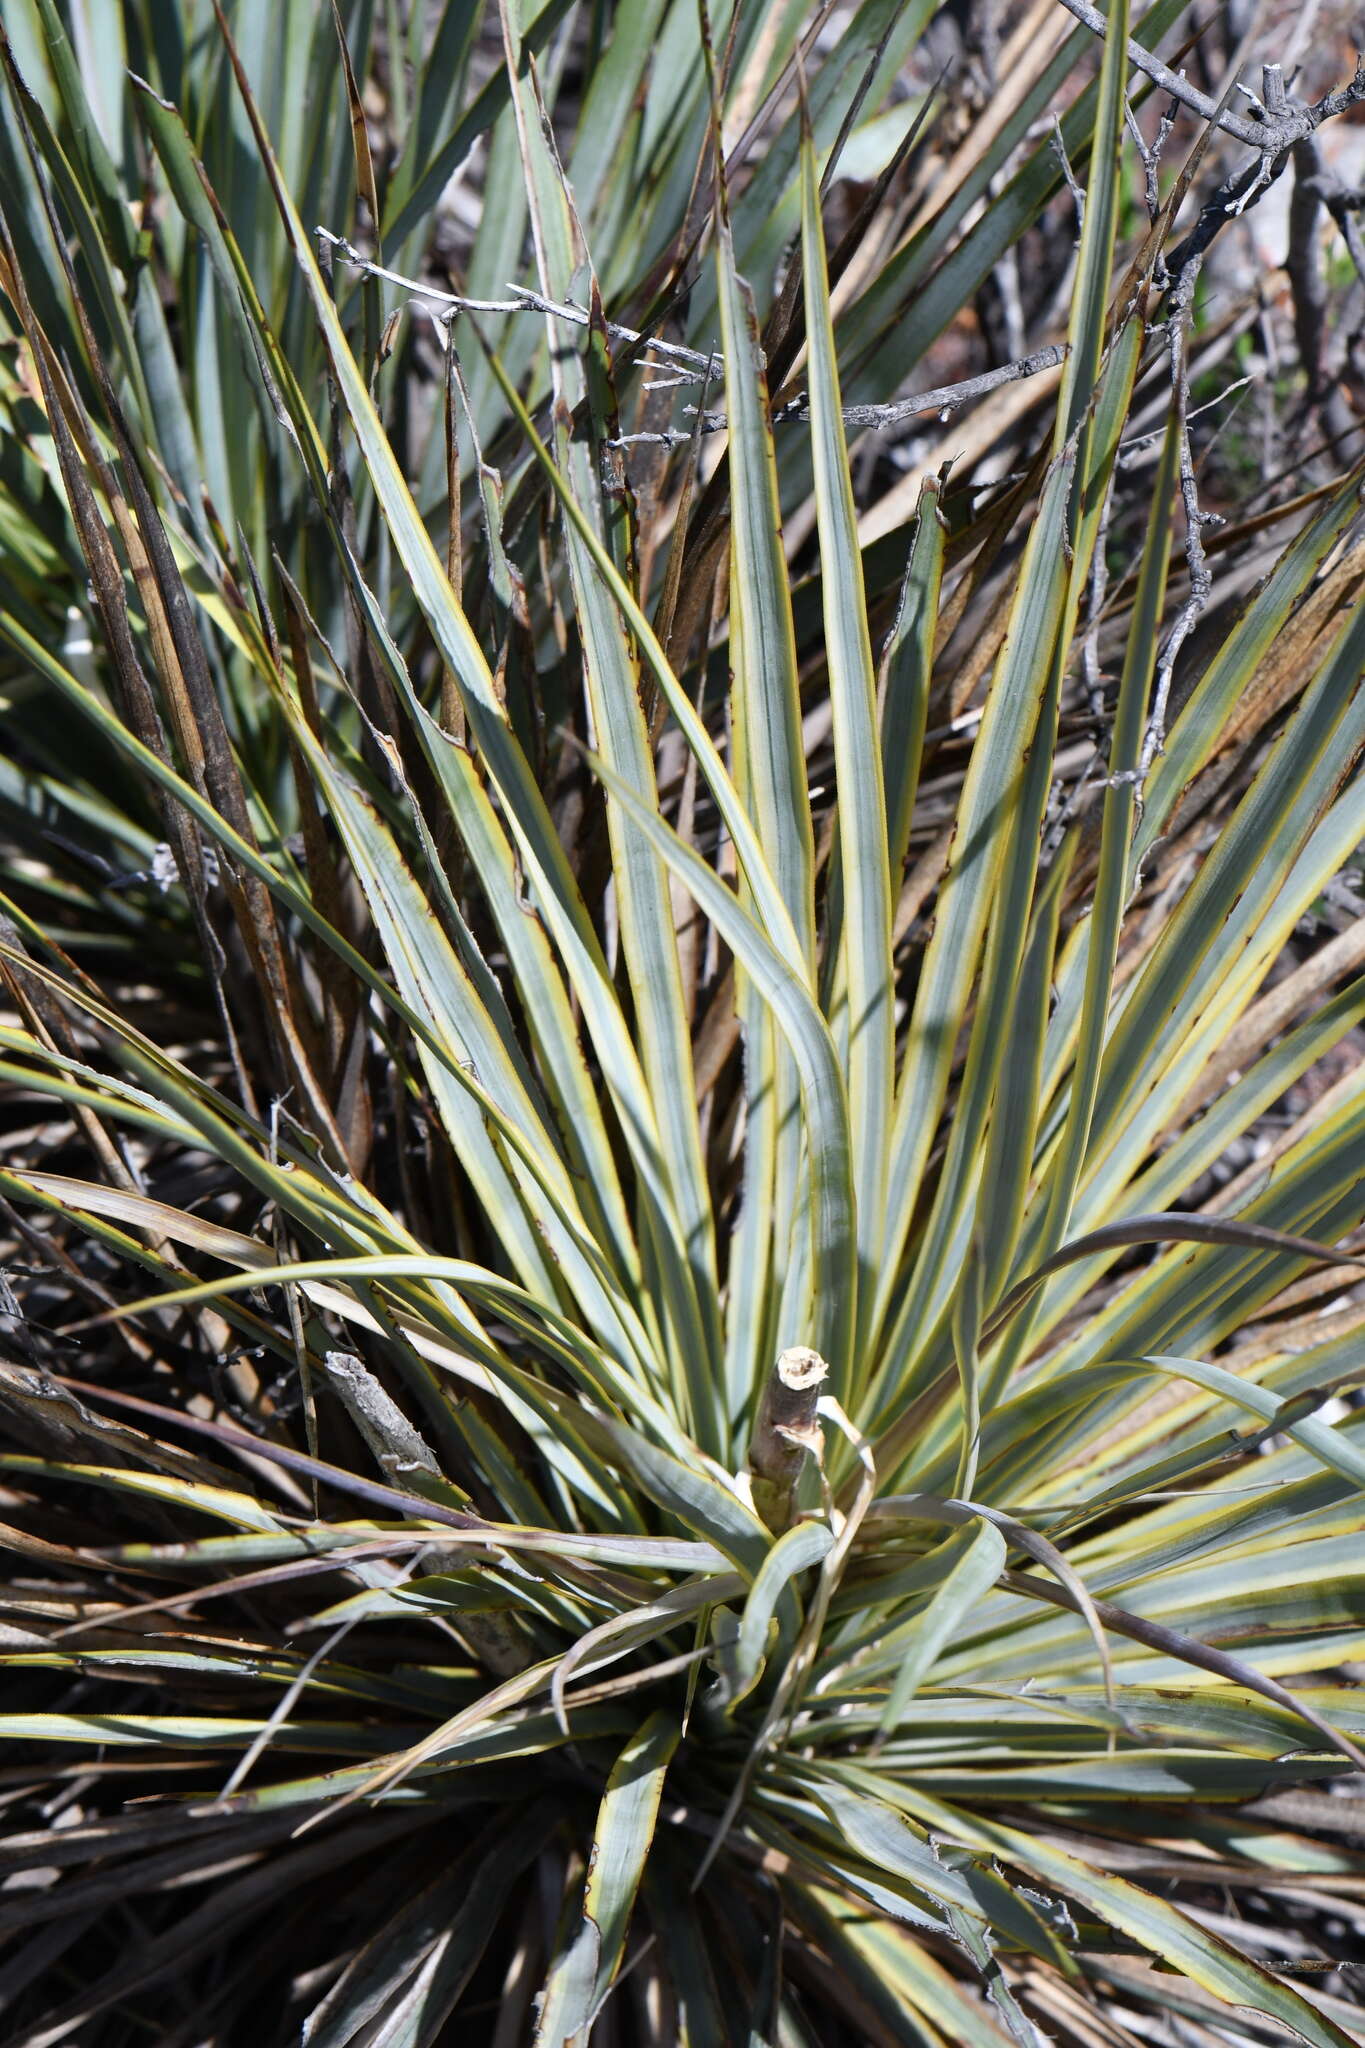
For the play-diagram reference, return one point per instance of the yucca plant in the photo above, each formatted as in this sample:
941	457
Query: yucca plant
671	1185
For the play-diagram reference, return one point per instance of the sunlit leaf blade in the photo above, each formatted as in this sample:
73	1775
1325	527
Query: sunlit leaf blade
863	847
990	793
801	1547
582	1977
831	1286
767	685
977	1568
1120	805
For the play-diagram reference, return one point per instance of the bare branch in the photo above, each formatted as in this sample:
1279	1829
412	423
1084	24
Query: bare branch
1270	137
1237	193
1072	184
1201	583
1343	203
522	301
947	398
690	365
1151	158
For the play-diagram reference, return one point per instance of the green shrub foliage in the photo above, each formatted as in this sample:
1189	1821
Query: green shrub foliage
681	1029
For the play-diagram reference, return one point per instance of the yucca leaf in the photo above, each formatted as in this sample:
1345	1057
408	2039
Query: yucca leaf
416	202
583	1976
909	1987
976	1568
1120	809
405	1981
832	1286
1195	731
991	793
769	768
1294	787
905	668
863	846
1325	1442
1090	295
1159	1927
766	683
801	1547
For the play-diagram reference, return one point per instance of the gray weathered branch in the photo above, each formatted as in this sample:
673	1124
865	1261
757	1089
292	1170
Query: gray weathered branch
691	365
1272	135
946	398
445	306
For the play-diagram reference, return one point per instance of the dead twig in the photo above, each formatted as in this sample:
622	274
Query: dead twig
693	365
947	398
523	300
1201	583
1272	133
